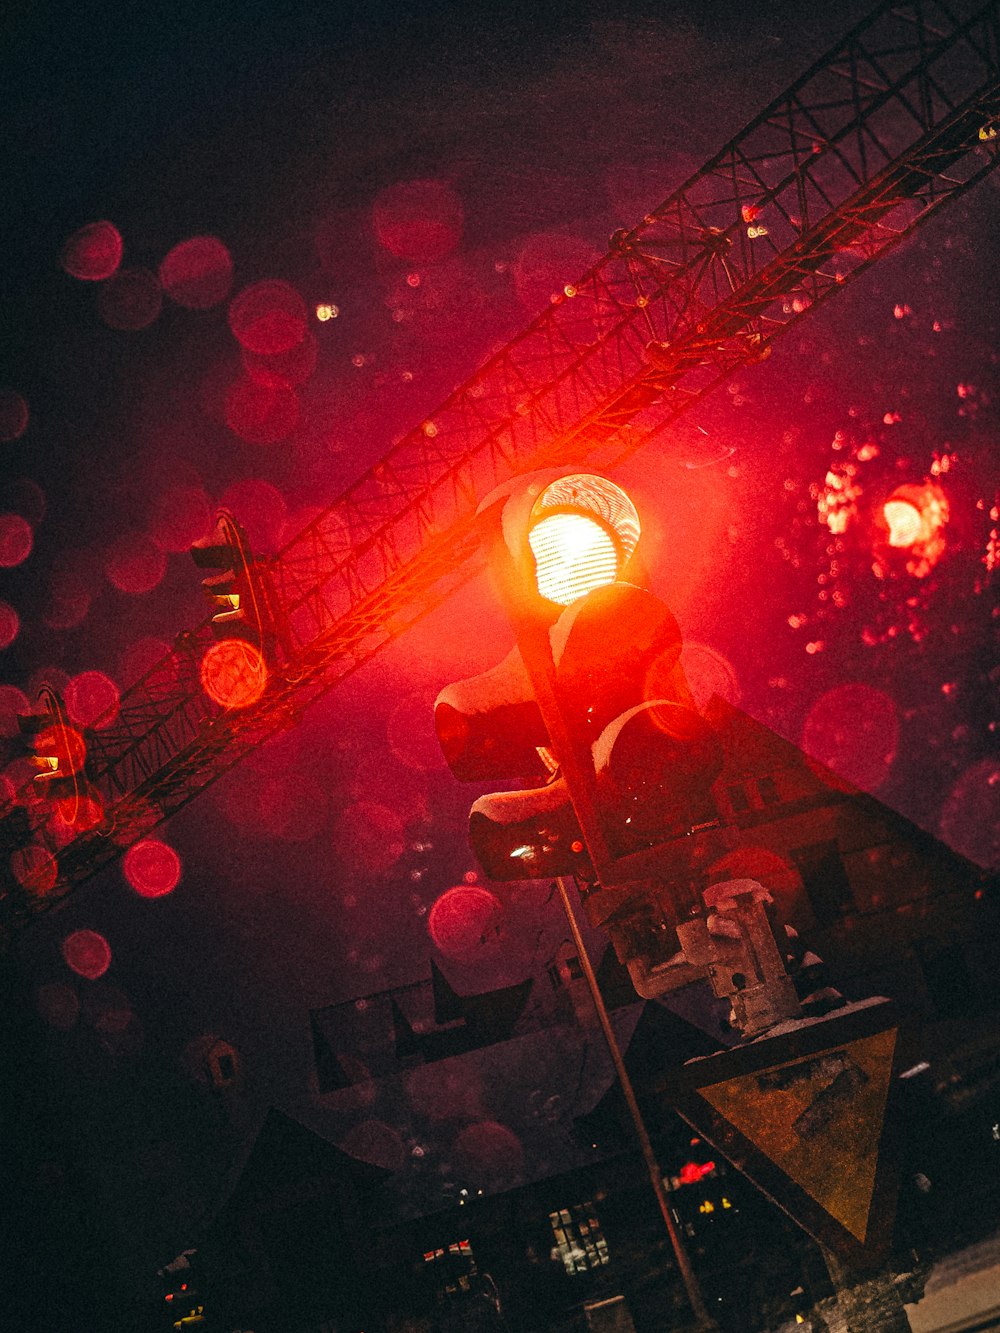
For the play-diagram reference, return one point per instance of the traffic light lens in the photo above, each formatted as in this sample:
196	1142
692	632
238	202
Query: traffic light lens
904	522
574	555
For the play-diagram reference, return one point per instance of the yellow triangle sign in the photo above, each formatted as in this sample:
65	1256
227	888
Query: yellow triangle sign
819	1119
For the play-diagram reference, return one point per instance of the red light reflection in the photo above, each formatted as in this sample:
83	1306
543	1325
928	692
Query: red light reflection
93	253
135	564
490	1152
197	273
419	219
152	868
87	953
92	699
233	673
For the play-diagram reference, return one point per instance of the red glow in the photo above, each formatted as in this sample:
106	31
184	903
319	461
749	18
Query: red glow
708	673
903	520
12	702
87	953
491	1152
10	623
368	838
777	874
59	1005
66	743
419	219
268	318
197	273
68	601
853	730
34	869
970	817
16	540
464	921
294	367
77	814
93	253
269	804
92	699
152	868
14	415
233	673
691	1172
135	564
261	408
131	300
262	510
181	515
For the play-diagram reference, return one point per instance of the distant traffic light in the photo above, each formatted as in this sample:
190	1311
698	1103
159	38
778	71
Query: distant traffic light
592	705
238	590
57	749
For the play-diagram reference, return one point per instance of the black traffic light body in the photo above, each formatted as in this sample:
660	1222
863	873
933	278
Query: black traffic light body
592	707
239	589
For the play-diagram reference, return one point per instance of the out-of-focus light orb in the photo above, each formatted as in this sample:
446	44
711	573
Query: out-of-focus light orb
465	921
376	1142
904	522
268	317
708	673
16	540
87	953
10	623
368	838
135	564
152	868
180	516
418	219
853	730
78	814
58	1004
93	253
197	273
14	415
294	367
92	699
233	673
262	510
68	601
261	408
131	300
326	311
491	1153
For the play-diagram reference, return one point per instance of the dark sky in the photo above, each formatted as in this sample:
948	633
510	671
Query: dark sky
278	130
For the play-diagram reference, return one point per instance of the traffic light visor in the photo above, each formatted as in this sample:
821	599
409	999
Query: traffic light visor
582	530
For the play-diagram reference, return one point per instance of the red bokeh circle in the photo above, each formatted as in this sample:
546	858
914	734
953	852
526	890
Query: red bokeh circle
233	673
269	317
92	699
152	868
261	408
87	953
197	273
132	300
14	415
93	253
16	540
853	730
464	921
135	564
10	623
419	219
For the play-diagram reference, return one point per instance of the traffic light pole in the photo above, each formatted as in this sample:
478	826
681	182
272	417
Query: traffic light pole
688	1276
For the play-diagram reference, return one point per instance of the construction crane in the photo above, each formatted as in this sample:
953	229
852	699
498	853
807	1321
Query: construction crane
899	118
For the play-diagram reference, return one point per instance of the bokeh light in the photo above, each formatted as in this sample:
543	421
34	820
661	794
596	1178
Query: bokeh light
135	564
419	219
261	408
92	699
294	366
10	623
465	921
152	868
262	510
197	273
68	600
12	702
708	673
87	953
132	300
77	814
411	735
970	816
93	253
491	1153
233	673
16	540
269	317
853	730
35	869
14	415
904	522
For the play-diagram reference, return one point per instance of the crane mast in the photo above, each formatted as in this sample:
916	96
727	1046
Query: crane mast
899	118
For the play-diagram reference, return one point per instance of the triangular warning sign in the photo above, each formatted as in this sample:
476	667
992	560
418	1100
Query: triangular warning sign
803	1115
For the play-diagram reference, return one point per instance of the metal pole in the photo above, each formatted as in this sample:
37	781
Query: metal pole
688	1276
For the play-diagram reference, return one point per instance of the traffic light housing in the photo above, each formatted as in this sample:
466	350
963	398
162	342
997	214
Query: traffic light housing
592	706
239	589
55	748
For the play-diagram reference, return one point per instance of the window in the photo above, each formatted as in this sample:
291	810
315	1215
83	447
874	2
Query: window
825	881
580	1242
452	1268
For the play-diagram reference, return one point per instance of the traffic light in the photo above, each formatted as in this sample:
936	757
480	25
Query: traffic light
57	749
239	590
591	706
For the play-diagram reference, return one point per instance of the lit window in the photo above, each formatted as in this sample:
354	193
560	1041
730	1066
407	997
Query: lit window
579	1239
453	1268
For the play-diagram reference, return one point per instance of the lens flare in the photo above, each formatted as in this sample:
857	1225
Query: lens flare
152	868
233	673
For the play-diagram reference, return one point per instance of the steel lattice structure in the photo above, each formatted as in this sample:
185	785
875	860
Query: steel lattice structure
899	118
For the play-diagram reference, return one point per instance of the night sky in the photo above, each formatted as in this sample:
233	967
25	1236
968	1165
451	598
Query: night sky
432	171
